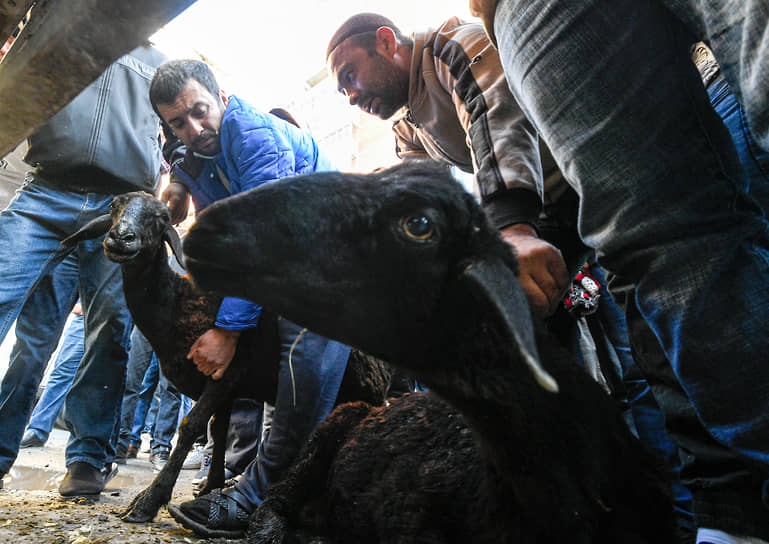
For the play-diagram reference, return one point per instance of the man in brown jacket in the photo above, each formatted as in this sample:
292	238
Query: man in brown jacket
447	96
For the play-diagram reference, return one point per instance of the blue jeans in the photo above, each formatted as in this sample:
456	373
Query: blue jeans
139	357
31	228
38	329
170	405
318	365
754	160
146	407
611	88
59	381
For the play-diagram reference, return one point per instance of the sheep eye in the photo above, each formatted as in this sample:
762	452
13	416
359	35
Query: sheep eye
418	227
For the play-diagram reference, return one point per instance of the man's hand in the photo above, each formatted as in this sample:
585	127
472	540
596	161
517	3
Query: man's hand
212	353
543	271
177	197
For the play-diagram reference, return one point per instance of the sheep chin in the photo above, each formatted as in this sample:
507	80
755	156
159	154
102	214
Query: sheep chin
118	257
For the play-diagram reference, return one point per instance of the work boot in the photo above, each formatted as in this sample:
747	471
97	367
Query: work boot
82	479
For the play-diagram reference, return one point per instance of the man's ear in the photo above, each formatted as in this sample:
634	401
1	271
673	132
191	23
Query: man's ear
386	42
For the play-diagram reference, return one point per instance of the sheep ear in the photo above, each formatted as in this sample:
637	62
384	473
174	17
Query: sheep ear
492	282
172	239
93	229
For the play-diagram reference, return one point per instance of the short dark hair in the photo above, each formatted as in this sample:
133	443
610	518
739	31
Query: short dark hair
172	76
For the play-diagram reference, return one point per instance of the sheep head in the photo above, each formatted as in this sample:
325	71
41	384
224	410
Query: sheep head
136	227
375	261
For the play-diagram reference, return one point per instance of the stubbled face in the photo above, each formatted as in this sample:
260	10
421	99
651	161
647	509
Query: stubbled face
196	118
372	82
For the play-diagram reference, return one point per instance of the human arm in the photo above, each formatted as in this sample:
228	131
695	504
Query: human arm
213	351
543	272
506	161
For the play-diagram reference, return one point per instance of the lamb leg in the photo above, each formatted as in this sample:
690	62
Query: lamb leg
146	504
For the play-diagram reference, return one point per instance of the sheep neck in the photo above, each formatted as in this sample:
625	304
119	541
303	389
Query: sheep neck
169	311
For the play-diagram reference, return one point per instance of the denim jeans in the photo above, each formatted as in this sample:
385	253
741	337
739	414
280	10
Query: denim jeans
318	366
38	330
611	88
60	379
31	228
754	160
167	417
146	406
139	357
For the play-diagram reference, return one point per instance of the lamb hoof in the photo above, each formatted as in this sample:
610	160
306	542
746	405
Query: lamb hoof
141	509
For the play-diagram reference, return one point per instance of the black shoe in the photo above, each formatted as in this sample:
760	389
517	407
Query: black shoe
82	479
159	458
120	455
223	513
31	440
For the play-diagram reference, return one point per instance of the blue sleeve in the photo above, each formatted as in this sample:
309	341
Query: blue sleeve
260	153
236	314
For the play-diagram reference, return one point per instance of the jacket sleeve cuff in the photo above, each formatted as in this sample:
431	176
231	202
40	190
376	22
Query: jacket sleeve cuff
513	206
236	314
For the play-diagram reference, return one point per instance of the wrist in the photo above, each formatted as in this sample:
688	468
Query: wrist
524	229
228	333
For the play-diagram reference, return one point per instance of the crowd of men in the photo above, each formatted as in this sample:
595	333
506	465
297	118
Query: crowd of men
596	145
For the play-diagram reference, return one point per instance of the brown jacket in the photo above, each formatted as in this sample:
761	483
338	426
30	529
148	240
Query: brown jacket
461	112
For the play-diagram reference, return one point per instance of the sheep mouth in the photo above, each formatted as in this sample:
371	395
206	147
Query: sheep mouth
121	256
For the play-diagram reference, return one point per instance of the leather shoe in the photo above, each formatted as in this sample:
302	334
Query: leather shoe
81	479
31	440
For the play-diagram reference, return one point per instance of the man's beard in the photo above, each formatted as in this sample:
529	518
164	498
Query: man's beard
392	89
206	139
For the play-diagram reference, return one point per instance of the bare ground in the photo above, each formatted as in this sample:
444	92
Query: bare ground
33	512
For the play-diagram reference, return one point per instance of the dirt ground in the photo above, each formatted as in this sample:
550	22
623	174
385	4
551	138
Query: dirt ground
33	512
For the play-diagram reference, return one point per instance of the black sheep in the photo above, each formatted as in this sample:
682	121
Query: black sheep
172	313
514	442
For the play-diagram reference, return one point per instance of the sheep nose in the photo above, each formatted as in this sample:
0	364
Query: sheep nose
122	235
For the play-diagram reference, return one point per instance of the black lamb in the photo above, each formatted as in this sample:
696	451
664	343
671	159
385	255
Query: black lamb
172	313
513	443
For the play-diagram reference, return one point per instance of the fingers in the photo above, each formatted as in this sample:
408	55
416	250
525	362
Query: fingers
194	348
543	272
176	197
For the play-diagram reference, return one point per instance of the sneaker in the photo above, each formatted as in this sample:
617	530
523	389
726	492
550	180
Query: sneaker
159	458
201	478
145	444
82	479
194	459
31	440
